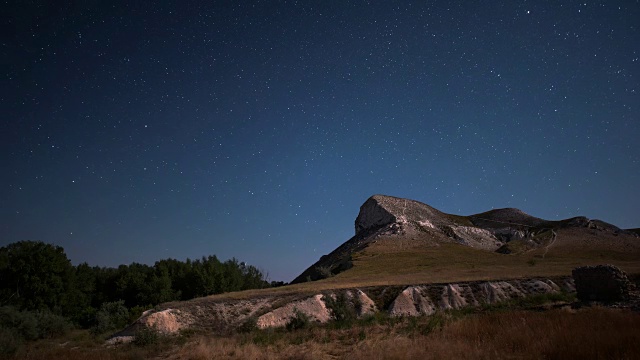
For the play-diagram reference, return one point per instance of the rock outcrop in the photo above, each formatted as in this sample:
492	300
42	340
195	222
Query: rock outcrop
601	283
412	301
313	307
166	322
380	210
275	311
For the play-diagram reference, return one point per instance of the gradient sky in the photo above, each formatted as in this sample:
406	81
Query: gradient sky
134	131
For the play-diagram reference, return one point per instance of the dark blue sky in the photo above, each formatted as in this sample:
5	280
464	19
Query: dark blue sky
133	131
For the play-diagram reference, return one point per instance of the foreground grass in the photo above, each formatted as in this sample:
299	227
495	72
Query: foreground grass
556	334
494	333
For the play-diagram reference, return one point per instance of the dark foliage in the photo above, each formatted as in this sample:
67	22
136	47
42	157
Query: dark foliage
146	337
300	320
17	326
110	317
343	310
39	278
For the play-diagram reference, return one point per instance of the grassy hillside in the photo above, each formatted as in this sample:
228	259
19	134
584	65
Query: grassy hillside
396	261
389	262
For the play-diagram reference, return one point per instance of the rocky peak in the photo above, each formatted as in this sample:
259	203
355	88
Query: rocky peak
381	210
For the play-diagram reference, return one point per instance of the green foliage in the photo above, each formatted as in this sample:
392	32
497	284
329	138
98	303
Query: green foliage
51	325
426	324
16	327
10	341
146	336
248	326
379	318
342	309
541	299
35	276
298	321
267	337
42	294
324	272
38	276
531	301
110	317
23	324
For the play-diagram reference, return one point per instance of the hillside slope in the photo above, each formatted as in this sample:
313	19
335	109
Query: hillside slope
406	231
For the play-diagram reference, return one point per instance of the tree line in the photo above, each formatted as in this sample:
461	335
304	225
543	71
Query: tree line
38	277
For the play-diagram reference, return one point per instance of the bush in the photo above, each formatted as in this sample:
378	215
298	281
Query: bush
248	325
10	341
22	323
146	336
16	327
298	321
51	325
111	316
324	272
342	311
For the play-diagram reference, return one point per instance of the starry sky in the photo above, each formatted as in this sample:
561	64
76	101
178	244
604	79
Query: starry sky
134	131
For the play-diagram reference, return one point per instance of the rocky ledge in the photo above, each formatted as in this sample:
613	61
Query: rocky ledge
277	311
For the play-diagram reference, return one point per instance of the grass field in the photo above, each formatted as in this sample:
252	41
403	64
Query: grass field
589	333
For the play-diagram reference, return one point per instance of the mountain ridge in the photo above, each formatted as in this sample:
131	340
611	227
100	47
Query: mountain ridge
503	230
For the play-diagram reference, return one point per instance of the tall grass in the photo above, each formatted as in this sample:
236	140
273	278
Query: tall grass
596	333
591	333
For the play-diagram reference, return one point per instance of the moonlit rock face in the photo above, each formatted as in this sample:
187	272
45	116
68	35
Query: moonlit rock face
372	215
413	301
426	224
167	321
476	237
381	210
314	307
453	297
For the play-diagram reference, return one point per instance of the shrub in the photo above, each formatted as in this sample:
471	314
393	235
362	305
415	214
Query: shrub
16	327
299	320
10	341
324	272
146	336
111	316
51	325
22	323
248	325
342	311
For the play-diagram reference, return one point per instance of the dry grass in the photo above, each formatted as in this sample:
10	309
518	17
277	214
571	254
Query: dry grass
417	261
596	333
591	333
80	344
390	263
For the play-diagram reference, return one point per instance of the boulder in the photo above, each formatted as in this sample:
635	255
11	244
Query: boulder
601	283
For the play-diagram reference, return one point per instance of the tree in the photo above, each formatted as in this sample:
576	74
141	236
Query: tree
35	276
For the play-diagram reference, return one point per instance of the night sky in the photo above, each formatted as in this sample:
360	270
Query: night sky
134	131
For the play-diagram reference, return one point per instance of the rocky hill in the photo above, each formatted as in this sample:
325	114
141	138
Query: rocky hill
408	258
505	231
